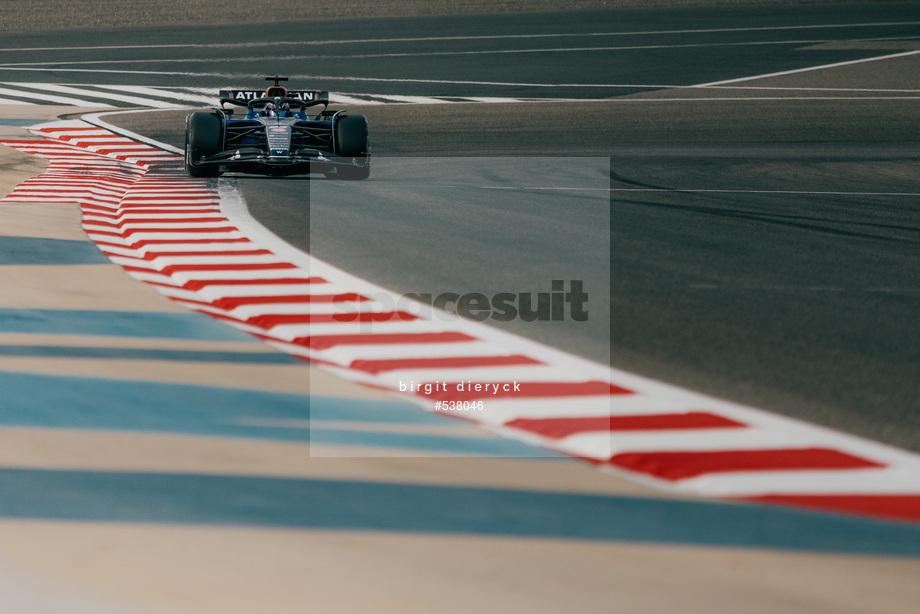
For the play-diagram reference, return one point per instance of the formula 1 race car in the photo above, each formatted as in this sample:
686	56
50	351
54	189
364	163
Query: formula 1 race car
276	136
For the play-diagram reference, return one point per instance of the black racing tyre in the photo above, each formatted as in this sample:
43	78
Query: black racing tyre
351	136
202	138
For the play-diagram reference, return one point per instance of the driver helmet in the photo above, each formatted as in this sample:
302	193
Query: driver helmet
269	110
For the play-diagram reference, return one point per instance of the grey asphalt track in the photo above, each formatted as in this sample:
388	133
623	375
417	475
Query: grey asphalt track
762	243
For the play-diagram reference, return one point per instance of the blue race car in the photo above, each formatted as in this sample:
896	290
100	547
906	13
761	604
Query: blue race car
277	136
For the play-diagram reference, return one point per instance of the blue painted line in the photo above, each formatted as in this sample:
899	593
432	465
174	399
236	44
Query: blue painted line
59	252
53	351
362	410
146	324
47	401
32	400
368	506
473	446
5	121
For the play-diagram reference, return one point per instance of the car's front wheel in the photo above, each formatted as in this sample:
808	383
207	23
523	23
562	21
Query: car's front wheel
202	138
351	141
351	137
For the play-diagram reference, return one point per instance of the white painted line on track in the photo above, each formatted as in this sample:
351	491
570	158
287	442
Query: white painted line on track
344	99
187	97
158	91
96	120
79	91
401	54
410	99
544	50
307	77
467	38
811	68
49	98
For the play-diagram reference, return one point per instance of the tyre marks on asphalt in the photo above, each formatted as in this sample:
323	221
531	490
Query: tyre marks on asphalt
170	231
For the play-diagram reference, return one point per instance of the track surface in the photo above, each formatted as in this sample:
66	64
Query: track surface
761	248
762	240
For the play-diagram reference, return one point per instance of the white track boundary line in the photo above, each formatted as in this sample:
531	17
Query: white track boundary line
809	69
469	38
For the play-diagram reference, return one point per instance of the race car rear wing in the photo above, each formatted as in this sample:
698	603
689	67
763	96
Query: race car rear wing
244	97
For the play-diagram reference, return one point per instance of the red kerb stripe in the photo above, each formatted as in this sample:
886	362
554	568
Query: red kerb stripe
892	507
674	466
183	241
232	302
198	284
450	362
229	252
324	342
165	220
99	131
527	390
216	230
178	268
557	428
272	320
